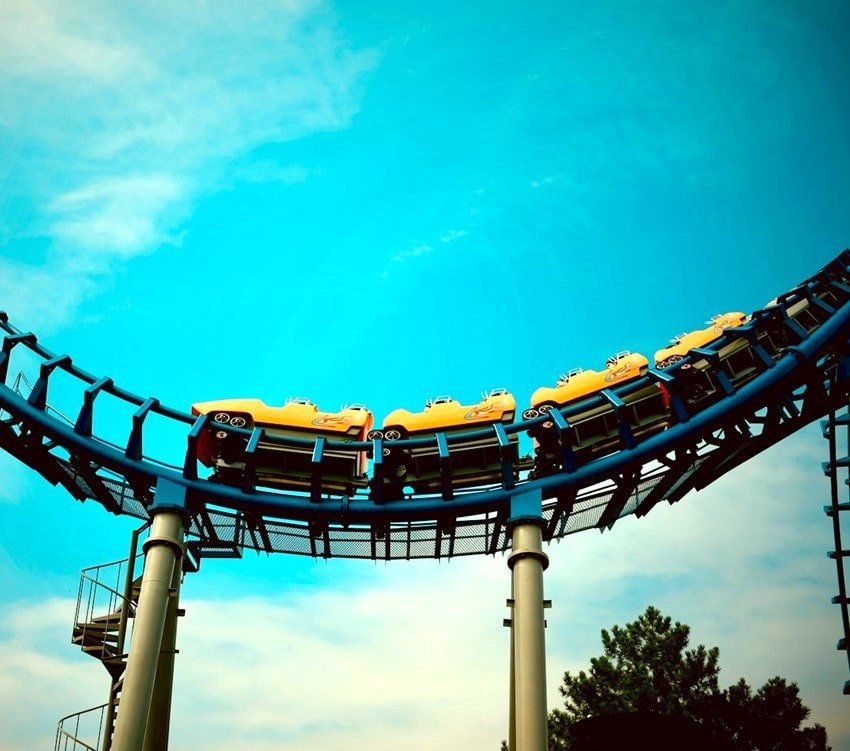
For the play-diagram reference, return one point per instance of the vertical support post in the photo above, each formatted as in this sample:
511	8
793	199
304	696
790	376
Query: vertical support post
122	634
163	552
159	716
527	562
512	698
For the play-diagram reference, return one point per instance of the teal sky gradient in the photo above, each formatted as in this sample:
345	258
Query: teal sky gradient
304	198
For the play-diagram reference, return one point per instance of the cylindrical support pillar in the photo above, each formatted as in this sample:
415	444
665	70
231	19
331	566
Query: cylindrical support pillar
527	562
512	678
159	716
163	551
114	685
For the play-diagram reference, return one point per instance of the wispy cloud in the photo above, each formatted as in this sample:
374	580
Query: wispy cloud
134	112
264	671
32	653
452	235
118	216
548	180
30	29
23	290
422	249
413	252
383	657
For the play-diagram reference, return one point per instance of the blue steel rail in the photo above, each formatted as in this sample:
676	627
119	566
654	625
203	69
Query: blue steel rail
757	384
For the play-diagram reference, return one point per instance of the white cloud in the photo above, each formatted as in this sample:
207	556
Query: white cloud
407	656
376	666
117	216
548	180
452	235
136	110
41	679
413	252
29	30
22	292
422	249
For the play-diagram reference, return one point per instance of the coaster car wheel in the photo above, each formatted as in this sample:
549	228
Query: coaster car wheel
544	409
236	420
394	433
669	361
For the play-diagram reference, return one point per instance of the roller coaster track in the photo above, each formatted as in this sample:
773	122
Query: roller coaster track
652	439
795	370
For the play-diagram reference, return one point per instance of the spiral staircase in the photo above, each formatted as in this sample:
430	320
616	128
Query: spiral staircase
103	626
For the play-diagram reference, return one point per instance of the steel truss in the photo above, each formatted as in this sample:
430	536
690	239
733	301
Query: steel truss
751	388
794	373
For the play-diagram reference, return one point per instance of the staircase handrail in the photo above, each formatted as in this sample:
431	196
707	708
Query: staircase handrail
107	587
103	565
60	731
77	742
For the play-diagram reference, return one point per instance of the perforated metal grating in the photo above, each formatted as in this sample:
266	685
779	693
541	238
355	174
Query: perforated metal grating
755	385
222	532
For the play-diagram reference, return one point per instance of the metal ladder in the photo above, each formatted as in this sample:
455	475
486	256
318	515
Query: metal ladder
838	468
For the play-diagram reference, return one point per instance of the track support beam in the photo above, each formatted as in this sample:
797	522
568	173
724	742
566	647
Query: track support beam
527	561
159	716
163	554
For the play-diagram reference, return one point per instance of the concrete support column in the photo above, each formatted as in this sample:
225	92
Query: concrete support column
159	716
111	704
527	562
512	697
163	551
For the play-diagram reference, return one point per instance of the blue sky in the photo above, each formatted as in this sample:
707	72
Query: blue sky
356	205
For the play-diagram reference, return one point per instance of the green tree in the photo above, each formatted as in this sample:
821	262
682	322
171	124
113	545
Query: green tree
647	667
771	718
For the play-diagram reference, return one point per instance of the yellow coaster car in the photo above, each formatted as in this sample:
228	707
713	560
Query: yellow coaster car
279	465
472	463
444	414
594	421
578	383
684	343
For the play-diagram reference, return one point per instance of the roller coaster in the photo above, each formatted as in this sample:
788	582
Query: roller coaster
456	489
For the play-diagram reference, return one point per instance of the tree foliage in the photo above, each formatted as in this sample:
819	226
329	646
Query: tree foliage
647	667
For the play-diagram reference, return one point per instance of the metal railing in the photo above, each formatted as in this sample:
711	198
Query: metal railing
89	724
105	603
103	594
